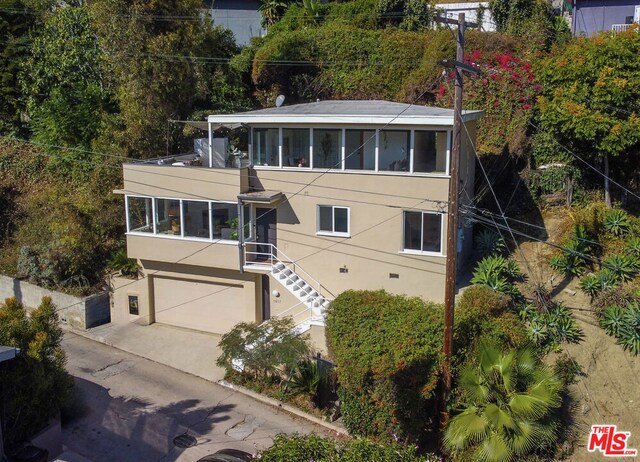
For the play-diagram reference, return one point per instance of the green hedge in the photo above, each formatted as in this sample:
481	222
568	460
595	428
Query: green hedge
484	314
303	448
388	350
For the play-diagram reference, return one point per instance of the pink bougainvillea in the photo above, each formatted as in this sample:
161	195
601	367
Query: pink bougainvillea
505	89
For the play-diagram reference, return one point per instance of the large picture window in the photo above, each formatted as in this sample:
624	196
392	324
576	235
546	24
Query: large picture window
430	152
333	220
327	148
225	221
295	147
168	216
140	214
423	232
360	149
196	219
186	218
265	147
393	150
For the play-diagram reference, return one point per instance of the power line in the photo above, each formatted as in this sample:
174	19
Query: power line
587	163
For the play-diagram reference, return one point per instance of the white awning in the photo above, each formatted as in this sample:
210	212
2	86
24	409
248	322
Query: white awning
204	125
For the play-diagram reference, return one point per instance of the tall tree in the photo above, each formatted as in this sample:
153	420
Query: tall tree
590	101
164	60
17	18
62	83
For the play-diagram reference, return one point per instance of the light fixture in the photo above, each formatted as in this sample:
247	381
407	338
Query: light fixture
275	293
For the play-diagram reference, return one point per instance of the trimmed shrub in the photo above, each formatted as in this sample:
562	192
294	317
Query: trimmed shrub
483	313
387	349
303	448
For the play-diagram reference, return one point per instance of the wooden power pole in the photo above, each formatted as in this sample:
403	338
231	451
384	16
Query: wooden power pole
452	216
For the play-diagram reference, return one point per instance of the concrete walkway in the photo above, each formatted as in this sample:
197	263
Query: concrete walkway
186	350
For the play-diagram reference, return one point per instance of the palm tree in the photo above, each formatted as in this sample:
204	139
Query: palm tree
509	399
271	10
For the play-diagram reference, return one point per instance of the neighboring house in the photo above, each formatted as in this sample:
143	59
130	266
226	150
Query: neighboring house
593	16
476	12
340	195
240	16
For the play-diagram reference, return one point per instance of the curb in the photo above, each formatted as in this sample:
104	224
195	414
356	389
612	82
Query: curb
285	407
223	383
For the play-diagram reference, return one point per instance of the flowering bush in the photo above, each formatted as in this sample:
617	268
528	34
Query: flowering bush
506	90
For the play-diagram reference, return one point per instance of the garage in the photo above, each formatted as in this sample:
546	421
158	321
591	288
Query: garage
204	306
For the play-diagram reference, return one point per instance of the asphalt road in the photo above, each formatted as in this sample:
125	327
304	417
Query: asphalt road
129	408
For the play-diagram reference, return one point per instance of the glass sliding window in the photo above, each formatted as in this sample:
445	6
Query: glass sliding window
139	210
393	150
295	147
430	152
423	232
196	219
168	216
225	221
265	147
333	220
360	149
327	148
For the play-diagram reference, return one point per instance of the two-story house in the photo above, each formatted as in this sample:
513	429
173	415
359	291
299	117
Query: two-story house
332	195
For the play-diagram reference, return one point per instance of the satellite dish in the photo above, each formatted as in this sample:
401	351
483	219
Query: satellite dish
279	100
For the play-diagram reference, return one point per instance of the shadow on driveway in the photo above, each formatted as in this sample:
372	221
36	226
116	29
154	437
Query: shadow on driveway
106	429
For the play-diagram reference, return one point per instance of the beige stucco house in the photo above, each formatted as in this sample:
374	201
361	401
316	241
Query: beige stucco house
328	196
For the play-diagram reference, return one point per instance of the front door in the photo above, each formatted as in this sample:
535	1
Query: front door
266	220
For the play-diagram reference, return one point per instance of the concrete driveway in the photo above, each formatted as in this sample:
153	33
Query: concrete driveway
131	409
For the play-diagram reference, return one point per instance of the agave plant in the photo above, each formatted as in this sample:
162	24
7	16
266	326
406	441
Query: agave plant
624	267
527	311
629	331
509	402
489	243
565	329
537	330
568	264
590	285
581	238
611	320
633	246
617	222
608	279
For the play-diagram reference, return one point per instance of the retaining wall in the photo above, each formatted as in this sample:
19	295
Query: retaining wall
78	312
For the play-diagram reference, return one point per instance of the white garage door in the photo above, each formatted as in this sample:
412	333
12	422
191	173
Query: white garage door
199	305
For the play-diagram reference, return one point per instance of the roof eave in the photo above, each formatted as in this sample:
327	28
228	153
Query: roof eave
314	119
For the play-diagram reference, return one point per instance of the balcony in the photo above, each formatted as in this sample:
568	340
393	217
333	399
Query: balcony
617	28
180	178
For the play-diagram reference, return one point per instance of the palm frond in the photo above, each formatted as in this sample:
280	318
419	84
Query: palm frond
499	418
494	449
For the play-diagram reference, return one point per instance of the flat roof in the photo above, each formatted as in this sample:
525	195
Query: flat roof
369	112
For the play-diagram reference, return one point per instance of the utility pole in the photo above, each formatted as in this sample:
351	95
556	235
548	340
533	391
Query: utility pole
452	216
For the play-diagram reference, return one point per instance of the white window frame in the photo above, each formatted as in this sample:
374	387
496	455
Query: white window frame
423	252
181	237
342	168
320	232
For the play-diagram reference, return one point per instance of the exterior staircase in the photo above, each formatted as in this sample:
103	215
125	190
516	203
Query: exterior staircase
309	311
